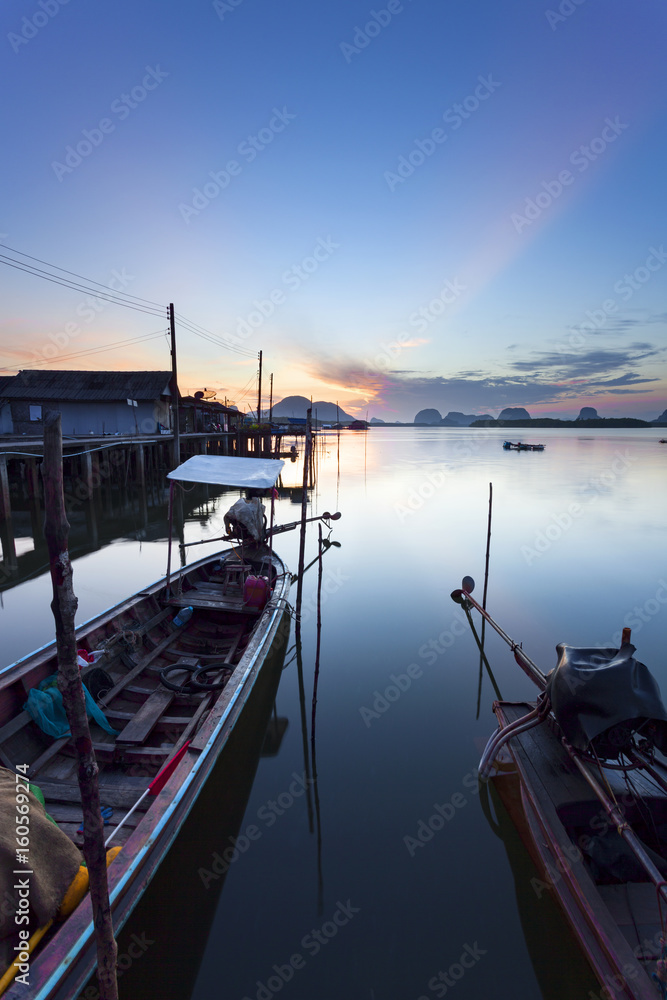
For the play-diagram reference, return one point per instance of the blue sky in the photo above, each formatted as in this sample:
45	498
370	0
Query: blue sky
420	203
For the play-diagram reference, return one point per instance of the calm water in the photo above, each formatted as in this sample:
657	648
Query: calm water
577	551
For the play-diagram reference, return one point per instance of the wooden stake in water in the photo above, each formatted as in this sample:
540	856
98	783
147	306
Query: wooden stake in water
63	606
486	586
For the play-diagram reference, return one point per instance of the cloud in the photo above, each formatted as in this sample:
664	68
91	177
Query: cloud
585	364
559	378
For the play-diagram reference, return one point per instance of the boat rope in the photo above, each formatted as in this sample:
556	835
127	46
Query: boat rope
127	635
609	788
660	974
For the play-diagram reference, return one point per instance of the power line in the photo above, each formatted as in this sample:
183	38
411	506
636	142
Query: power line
110	296
107	293
201	331
90	281
93	350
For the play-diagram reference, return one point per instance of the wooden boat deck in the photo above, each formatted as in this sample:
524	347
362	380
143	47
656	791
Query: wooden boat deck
152	722
561	822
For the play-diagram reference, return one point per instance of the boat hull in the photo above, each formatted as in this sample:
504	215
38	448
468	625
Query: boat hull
65	963
538	785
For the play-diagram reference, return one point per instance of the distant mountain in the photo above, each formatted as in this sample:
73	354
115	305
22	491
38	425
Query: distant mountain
456	419
588	413
662	419
428	417
376	420
296	406
514	413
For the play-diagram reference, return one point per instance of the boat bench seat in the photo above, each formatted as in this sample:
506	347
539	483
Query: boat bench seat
143	722
212	595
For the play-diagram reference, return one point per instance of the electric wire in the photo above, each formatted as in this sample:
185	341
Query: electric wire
110	295
74	274
93	350
201	331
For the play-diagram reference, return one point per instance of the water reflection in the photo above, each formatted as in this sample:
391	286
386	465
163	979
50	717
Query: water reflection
415	514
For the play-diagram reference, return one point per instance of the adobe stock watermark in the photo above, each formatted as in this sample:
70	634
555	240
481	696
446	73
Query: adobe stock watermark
454	117
642	614
121	108
292	279
419	319
312	943
442	981
443	813
566	8
31	26
581	158
416	498
267	814
248	149
136	949
625	288
559	524
87	310
399	683
223	7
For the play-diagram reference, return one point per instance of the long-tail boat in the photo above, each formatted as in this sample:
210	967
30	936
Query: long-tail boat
583	774
171	671
521	446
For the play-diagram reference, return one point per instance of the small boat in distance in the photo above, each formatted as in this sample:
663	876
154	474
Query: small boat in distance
521	446
582	773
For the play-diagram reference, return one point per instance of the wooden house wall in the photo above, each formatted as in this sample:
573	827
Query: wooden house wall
85	417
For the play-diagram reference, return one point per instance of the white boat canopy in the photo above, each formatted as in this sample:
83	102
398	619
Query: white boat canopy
225	470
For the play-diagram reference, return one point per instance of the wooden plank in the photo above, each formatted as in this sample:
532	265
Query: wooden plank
72	813
167	720
58	745
632	904
218	604
18	722
140	727
194	722
115	796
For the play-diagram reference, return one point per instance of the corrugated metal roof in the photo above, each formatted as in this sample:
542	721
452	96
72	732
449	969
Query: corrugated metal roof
88	386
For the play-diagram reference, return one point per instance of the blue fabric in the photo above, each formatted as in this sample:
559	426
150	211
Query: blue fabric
45	707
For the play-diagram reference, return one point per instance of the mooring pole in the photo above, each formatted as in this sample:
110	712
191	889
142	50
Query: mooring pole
174	389
63	606
304	511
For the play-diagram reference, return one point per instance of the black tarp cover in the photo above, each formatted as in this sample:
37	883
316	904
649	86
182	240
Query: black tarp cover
593	689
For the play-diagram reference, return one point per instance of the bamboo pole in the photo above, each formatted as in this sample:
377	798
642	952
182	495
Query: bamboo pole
63	606
304	510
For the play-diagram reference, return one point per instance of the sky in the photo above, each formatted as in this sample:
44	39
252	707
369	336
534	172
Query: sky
456	204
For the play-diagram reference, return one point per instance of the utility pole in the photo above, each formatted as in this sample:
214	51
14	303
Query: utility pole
271	400
259	392
174	389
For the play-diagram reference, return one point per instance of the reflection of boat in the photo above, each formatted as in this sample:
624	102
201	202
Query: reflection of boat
583	776
520	446
170	688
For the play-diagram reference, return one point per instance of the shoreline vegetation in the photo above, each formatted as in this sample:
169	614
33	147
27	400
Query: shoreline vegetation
537	422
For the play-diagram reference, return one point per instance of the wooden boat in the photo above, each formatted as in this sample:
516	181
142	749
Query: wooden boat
521	446
168	689
583	774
